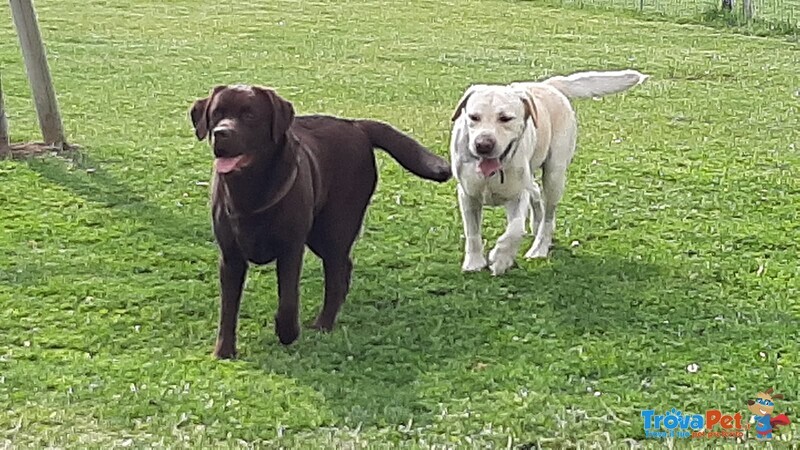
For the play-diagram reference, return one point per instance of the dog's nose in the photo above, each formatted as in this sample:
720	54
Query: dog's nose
221	133
484	144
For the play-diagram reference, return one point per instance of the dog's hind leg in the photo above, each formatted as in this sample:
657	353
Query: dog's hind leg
553	180
471	214
338	271
502	256
332	239
536	207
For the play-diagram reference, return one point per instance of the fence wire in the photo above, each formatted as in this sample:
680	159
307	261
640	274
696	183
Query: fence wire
771	11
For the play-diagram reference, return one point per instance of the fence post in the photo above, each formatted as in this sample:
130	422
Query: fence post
747	6
4	148
44	95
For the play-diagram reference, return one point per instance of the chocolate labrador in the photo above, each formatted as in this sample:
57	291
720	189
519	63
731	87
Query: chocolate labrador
283	182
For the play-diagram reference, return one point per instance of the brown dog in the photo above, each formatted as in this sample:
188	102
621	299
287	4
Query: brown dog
283	182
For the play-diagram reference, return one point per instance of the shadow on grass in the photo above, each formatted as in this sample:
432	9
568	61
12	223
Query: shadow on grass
116	206
392	359
417	336
97	185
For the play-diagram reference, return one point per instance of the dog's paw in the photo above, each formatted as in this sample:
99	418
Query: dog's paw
473	263
537	252
287	330
322	325
224	350
500	262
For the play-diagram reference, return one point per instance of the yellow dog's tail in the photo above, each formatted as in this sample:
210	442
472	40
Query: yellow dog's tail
596	84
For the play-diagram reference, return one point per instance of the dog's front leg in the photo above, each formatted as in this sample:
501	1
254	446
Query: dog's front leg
471	213
501	258
287	319
232	272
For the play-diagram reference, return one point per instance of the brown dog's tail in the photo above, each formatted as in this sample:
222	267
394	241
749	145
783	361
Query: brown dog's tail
405	150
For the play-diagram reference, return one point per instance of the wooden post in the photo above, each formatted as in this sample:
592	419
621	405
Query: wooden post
747	5
44	95
4	149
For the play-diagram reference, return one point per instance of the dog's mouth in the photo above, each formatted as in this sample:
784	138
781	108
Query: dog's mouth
230	164
489	166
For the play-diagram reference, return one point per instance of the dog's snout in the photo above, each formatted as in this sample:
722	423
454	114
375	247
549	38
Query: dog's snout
221	133
484	144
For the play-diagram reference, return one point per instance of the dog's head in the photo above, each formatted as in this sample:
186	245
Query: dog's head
241	123
764	403
495	117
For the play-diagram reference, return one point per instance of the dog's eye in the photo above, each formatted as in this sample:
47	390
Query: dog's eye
474	117
505	119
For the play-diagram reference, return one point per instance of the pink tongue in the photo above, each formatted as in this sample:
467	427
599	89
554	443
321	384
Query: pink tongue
226	165
489	166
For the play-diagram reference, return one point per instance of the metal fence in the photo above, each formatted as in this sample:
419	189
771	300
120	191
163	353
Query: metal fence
779	12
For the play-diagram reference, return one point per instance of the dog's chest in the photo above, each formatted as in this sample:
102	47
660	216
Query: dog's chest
254	240
501	187
257	245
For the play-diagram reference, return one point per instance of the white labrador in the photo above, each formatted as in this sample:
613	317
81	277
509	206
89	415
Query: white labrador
501	135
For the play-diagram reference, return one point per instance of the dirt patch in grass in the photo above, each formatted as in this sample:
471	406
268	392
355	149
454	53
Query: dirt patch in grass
28	150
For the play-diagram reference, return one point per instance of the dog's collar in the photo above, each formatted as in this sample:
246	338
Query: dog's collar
512	148
509	151
282	192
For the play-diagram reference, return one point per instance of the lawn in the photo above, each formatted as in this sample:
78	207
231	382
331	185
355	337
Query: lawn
674	281
777	13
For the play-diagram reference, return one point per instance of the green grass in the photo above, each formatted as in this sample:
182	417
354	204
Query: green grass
683	197
771	17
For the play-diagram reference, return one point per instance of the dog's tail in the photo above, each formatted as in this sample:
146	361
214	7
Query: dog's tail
596	84
405	150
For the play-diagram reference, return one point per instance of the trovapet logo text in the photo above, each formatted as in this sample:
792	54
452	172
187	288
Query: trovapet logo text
675	424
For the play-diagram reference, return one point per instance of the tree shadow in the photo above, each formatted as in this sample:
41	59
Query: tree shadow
394	341
414	324
91	182
113	203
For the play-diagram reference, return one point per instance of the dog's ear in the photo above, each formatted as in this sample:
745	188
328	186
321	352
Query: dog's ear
199	113
768	391
530	108
751	402
777	396
463	102
282	112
